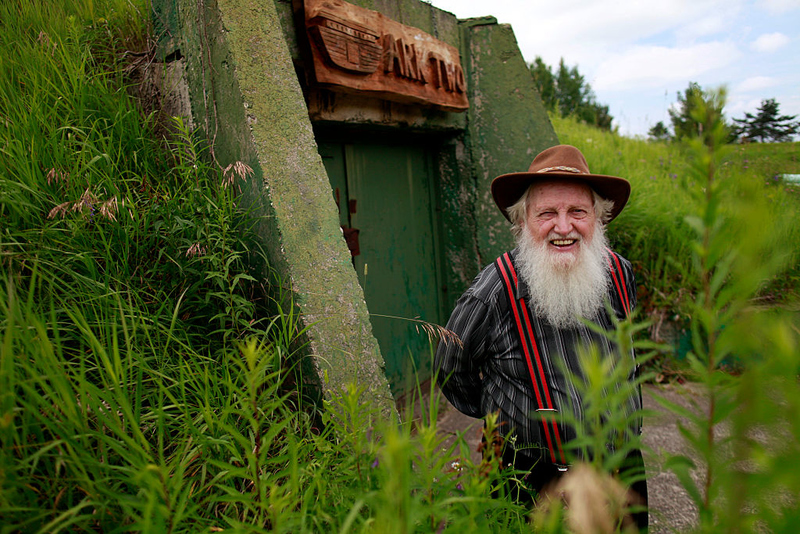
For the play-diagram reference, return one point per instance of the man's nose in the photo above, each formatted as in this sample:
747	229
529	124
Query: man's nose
563	224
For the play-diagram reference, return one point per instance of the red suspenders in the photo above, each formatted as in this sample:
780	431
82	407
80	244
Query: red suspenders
521	315
538	379
619	279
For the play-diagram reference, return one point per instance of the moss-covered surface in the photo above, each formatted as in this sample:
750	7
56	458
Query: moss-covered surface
508	124
247	99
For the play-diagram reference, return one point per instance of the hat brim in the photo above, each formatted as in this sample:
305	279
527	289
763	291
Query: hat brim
507	189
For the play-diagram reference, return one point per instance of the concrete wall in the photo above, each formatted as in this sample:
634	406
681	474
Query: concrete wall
508	124
247	100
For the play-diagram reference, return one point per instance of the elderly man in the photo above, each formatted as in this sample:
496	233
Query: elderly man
523	319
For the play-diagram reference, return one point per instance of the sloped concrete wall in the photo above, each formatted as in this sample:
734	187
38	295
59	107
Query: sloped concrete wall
246	98
508	124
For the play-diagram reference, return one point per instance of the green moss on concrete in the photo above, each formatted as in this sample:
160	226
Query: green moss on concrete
508	124
247	99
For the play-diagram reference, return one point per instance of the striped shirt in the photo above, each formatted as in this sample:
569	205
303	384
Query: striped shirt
488	371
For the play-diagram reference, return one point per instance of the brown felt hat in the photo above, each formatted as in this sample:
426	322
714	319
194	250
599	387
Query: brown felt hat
556	163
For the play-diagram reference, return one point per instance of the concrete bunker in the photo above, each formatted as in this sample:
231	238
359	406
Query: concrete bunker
375	128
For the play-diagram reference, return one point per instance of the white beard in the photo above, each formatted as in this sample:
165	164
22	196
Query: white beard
565	287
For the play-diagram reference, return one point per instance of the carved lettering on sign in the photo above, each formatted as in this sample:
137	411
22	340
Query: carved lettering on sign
359	50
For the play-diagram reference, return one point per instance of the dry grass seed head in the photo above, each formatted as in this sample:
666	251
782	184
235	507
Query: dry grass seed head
595	502
61	209
196	250
240	169
56	175
108	209
436	332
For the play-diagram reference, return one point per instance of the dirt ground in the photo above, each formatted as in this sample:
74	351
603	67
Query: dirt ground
671	508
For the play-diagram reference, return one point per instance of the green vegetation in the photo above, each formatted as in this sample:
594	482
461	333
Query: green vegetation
147	375
568	93
764	127
652	231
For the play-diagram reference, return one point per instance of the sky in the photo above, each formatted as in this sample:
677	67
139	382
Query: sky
638	54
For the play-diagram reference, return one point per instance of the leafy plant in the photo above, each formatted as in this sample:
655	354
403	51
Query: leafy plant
730	260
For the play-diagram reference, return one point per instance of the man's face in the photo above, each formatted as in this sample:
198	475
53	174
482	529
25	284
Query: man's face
561	217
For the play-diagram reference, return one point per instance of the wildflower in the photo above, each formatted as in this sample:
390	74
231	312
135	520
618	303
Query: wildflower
376	463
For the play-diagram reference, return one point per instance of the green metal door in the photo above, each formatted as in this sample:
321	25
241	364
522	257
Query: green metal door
385	193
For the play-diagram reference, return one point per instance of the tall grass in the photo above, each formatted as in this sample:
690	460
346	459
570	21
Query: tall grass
144	385
92	197
140	370
148	384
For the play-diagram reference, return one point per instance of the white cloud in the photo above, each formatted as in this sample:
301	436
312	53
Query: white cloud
637	53
585	31
770	42
780	6
755	83
737	107
653	66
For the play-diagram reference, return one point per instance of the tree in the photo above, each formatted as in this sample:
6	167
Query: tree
572	91
545	82
696	110
567	92
767	125
681	114
659	132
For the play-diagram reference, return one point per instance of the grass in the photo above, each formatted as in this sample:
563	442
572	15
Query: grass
148	377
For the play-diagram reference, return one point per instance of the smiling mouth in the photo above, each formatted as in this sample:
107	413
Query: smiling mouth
563	242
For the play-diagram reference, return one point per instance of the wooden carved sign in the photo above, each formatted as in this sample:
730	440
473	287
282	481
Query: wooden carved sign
359	50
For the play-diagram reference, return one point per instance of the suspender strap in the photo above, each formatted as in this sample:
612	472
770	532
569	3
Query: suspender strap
522	318
619	281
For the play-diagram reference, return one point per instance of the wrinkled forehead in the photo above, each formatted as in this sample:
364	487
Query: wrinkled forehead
560	192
